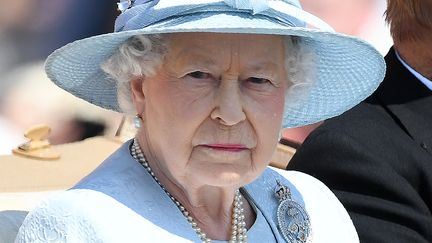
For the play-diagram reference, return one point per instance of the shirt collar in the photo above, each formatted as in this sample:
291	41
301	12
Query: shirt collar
420	77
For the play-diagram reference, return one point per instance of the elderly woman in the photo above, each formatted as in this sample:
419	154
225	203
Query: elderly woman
212	83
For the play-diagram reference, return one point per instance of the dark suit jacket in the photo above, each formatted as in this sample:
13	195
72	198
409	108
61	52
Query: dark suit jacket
377	158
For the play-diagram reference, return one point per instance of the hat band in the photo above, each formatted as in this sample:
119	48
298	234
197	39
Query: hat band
151	12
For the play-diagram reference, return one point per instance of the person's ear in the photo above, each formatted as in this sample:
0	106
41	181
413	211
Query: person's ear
138	96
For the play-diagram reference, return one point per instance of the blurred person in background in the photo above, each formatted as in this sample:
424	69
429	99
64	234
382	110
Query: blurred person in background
377	157
12	18
34	100
29	31
362	18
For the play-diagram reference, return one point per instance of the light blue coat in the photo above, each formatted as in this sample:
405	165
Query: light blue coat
121	202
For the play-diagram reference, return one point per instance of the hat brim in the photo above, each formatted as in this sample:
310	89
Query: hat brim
347	69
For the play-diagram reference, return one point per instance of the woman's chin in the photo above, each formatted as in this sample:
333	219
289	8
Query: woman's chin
225	175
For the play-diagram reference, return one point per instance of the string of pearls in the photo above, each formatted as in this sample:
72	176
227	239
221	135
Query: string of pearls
238	224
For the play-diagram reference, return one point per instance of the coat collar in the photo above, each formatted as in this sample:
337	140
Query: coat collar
262	193
408	101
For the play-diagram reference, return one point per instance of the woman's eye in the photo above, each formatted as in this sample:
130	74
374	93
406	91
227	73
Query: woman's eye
199	75
255	80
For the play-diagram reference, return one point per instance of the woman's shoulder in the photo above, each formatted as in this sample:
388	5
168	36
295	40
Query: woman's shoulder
315	192
302	184
330	222
307	184
56	220
83	215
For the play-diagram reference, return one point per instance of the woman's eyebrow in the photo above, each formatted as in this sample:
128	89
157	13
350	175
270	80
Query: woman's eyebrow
262	66
187	57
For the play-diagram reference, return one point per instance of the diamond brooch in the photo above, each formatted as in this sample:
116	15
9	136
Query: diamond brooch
293	220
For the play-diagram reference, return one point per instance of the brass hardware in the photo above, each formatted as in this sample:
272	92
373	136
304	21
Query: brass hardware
38	147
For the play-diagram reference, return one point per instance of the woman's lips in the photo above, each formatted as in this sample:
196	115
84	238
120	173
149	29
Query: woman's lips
226	147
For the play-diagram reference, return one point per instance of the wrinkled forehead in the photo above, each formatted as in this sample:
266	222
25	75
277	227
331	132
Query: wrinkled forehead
214	48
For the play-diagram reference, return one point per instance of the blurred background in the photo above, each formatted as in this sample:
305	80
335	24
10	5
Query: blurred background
31	29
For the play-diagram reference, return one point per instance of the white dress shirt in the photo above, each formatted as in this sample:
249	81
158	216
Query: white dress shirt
418	75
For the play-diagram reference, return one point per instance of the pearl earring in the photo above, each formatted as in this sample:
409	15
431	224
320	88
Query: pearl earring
137	121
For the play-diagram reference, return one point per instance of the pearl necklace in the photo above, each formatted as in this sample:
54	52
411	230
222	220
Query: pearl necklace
238	224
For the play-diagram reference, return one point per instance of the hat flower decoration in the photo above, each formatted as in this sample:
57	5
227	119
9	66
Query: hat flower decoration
255	5
124	4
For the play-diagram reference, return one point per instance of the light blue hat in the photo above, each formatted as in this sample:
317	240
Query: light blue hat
347	69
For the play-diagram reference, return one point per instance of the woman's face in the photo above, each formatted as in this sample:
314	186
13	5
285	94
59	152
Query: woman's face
212	112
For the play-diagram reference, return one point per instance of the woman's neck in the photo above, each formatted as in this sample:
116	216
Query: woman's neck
210	207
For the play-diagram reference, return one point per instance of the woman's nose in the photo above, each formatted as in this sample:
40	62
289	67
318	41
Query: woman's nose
229	105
